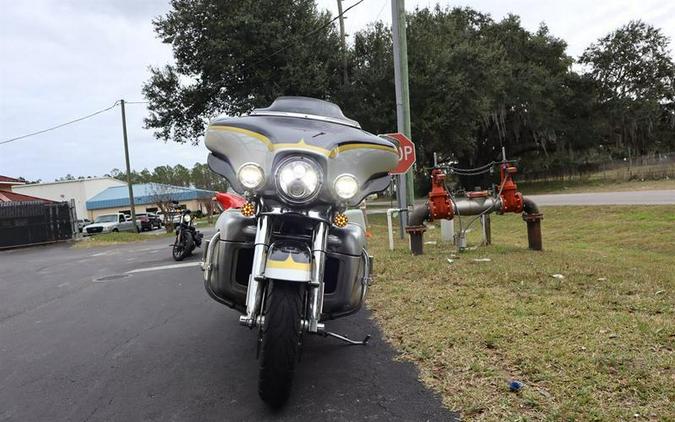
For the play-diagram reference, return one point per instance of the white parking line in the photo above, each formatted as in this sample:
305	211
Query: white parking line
165	267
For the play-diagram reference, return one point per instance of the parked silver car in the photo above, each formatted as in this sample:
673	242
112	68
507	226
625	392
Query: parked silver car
109	223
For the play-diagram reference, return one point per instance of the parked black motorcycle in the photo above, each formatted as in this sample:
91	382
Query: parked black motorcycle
294	255
187	237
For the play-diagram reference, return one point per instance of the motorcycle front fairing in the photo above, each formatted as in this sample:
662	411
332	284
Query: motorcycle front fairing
266	137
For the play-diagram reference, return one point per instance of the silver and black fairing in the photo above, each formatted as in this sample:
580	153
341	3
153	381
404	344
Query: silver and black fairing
301	126
288	239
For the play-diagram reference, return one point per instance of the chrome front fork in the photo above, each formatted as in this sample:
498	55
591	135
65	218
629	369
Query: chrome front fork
254	292
316	284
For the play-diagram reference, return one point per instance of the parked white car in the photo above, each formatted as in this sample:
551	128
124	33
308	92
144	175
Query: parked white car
82	223
108	223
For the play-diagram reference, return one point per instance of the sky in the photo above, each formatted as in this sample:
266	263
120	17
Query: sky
63	59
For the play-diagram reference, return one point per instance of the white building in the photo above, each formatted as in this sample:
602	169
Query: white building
78	190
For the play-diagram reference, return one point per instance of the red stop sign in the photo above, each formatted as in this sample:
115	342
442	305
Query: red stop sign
406	152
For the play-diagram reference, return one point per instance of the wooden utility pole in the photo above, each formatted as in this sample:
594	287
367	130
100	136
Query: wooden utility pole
343	38
404	193
126	157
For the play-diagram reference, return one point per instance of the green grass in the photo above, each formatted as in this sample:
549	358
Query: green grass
203	222
596	345
117	238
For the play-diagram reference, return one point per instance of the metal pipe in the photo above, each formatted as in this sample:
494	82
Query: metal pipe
487	228
476	206
529	207
207	263
417	242
463	206
416	228
317	284
254	293
367	265
419	214
390	228
532	216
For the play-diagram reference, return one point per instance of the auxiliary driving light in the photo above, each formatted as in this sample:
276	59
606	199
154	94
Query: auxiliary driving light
346	186
251	176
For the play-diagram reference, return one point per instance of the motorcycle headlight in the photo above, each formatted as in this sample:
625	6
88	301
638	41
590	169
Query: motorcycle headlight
346	186
251	176
299	180
187	218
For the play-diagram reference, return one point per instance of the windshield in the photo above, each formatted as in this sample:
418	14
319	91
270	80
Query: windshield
307	107
110	218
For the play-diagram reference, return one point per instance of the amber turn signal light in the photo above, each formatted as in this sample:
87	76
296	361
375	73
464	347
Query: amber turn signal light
340	220
248	209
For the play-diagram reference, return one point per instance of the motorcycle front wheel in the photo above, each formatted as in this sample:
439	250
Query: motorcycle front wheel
281	336
182	246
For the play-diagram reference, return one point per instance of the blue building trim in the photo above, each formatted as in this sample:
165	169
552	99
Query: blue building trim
118	196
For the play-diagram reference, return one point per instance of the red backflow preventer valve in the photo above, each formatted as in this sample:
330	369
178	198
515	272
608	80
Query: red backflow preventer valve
512	200
440	205
439	198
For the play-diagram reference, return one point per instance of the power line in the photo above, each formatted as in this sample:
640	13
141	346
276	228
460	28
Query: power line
79	119
384	3
309	34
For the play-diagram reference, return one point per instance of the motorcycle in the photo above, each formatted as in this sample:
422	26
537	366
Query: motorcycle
187	237
294	255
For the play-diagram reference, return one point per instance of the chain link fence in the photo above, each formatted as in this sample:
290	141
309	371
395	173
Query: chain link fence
647	167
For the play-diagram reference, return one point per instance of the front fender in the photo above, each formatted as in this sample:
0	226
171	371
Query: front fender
289	261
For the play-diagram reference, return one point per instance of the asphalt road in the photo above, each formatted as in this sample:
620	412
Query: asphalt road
102	334
645	197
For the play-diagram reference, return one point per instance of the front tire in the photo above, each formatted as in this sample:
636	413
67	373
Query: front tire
281	336
182	246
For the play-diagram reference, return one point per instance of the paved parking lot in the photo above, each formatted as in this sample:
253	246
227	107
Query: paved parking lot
122	333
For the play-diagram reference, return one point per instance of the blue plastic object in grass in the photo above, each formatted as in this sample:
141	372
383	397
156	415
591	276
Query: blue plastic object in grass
515	386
